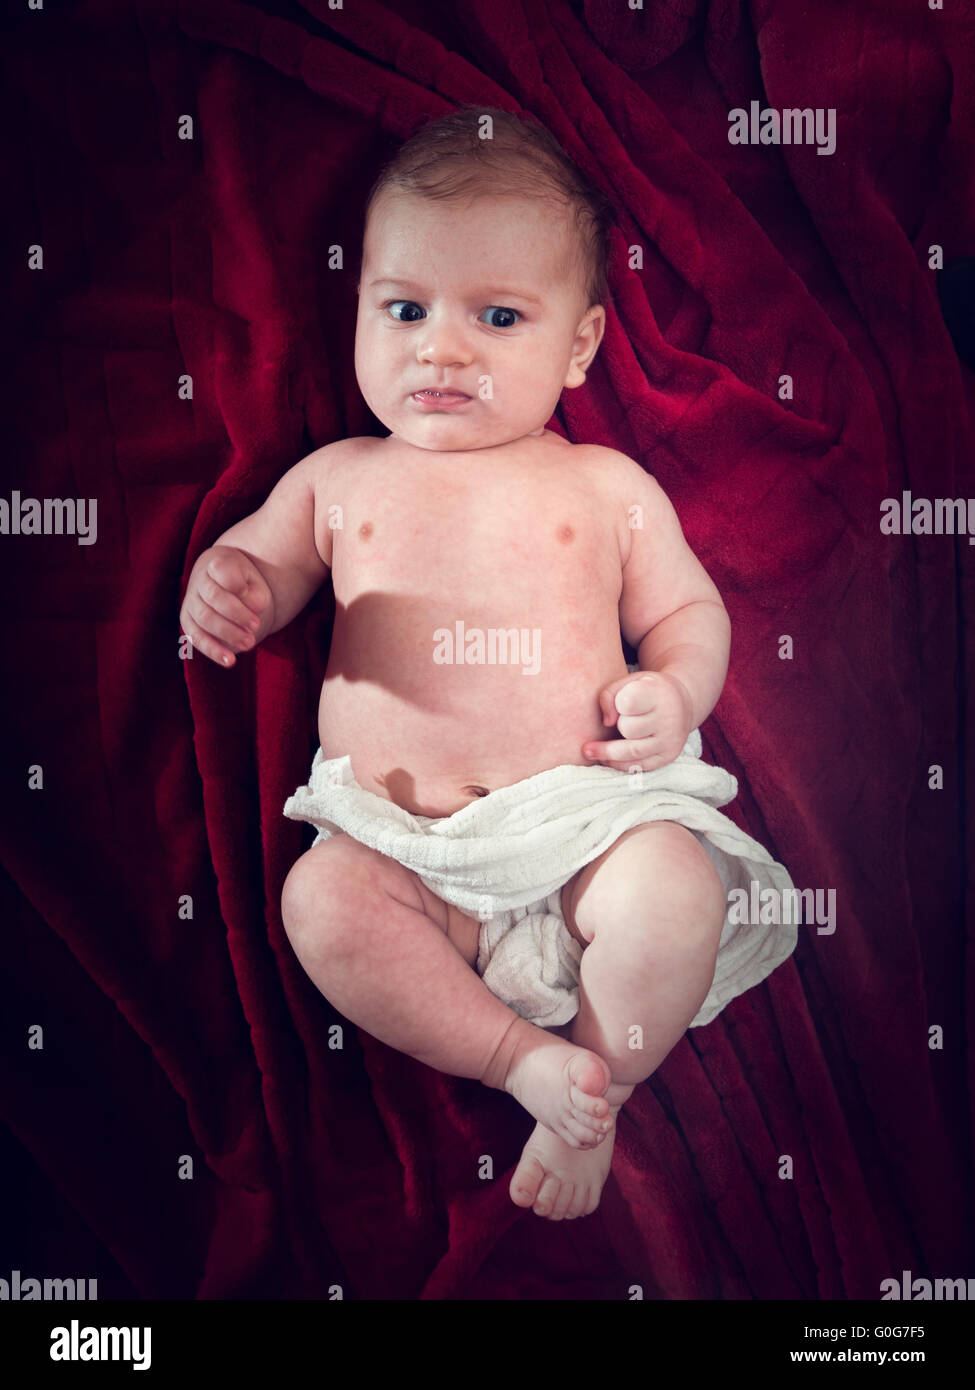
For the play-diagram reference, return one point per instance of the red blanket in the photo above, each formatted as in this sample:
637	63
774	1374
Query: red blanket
775	355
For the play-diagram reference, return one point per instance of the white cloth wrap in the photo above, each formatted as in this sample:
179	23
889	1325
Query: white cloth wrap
504	858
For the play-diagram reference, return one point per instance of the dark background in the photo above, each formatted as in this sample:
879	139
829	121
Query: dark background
166	1037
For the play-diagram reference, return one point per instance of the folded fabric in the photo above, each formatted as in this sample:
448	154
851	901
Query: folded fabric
523	842
530	960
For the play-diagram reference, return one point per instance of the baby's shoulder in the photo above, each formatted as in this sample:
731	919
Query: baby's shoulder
324	464
621	475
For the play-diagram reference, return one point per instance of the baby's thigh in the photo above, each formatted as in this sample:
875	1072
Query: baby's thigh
461	931
340	883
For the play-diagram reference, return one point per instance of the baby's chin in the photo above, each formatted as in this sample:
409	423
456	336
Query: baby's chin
442	436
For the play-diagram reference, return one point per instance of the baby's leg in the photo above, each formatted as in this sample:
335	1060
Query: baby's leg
651	909
392	958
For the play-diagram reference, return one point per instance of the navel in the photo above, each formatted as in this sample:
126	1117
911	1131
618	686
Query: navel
477	791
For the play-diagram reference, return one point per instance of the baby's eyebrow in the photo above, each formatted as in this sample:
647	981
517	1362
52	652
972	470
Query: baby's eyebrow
493	293
396	284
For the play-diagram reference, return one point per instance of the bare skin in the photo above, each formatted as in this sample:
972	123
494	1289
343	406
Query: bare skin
505	559
489	520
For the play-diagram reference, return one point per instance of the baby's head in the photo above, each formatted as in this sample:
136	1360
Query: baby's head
484	271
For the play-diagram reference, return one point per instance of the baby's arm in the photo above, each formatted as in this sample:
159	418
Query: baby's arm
265	567
670	610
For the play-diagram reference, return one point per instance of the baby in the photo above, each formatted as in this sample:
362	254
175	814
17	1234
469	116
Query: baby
482	274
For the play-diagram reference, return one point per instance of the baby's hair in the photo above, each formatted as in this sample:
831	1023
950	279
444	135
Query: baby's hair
447	158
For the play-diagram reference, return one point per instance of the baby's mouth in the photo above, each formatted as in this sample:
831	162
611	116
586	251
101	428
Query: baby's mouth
434	402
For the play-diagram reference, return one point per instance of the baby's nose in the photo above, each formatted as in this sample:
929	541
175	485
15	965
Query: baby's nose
445	344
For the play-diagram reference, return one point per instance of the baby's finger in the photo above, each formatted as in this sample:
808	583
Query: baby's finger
206	644
608	703
637	726
639	696
619	750
215	625
227	604
237	575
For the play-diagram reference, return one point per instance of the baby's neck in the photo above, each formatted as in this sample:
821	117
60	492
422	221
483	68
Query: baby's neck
395	440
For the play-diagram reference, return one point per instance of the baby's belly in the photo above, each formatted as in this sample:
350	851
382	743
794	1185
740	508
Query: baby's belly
434	713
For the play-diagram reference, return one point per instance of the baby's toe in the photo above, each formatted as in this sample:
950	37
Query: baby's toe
584	1134
594	1109
582	1203
589	1076
548	1195
565	1202
590	1200
527	1179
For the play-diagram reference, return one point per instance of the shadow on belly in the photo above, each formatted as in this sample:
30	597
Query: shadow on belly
400	786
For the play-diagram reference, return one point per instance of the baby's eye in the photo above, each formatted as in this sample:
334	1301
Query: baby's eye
509	322
407	317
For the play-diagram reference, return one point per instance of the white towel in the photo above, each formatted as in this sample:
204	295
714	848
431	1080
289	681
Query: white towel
521	843
530	960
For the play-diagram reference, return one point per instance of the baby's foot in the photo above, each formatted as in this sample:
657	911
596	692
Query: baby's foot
560	1084
559	1182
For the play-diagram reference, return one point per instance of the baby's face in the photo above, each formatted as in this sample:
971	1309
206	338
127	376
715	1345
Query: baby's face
476	297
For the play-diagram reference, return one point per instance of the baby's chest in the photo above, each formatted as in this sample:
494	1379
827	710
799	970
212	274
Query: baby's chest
491	543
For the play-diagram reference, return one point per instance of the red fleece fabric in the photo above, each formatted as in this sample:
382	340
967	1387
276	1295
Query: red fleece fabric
189	171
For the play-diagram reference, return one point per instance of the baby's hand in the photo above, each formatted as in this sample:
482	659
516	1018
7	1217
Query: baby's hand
654	715
227	604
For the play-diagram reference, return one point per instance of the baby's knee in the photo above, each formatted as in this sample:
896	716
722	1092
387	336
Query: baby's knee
689	887
665	888
693	874
325	891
